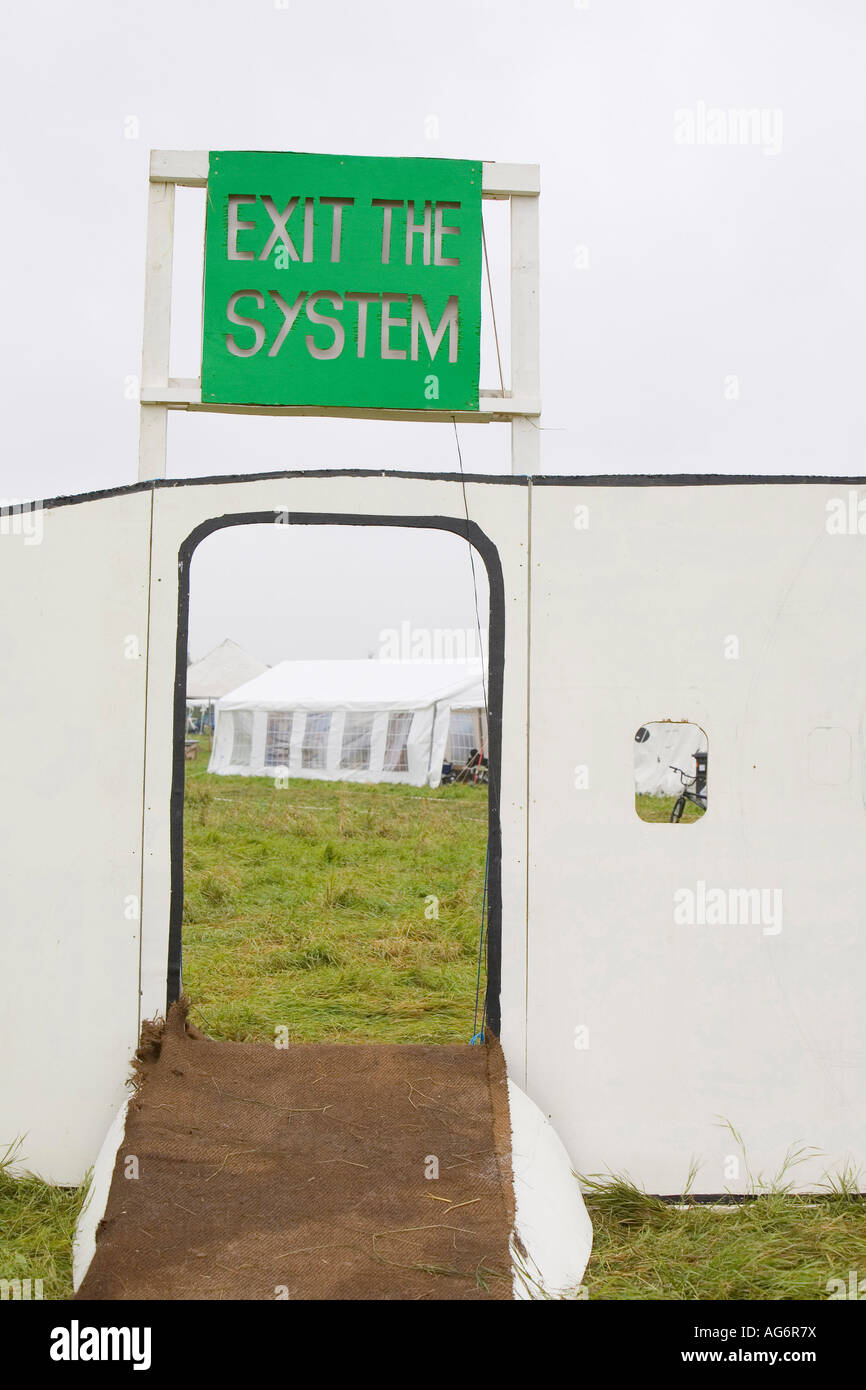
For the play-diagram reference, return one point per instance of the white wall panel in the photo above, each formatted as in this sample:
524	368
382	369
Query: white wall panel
693	1025
688	1025
70	826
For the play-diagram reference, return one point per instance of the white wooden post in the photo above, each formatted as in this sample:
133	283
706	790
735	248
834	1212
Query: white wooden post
525	371
156	339
521	405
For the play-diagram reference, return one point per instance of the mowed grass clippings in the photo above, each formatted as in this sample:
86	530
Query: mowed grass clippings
775	1247
340	911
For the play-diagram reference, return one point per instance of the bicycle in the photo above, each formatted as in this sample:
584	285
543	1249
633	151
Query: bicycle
475	770
694	788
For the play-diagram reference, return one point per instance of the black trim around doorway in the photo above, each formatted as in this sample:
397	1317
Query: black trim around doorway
470	532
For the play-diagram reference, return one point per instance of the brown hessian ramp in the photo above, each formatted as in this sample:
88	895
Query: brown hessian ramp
301	1172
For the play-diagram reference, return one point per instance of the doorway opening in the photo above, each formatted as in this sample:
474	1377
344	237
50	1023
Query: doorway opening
336	841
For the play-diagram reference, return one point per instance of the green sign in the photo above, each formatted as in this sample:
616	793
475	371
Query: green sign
342	281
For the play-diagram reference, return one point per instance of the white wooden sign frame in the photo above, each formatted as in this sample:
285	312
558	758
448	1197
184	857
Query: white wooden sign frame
159	393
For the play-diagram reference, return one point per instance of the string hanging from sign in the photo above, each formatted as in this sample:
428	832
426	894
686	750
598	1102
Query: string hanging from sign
478	1031
492	305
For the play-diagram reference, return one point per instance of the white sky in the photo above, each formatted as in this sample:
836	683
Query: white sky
705	262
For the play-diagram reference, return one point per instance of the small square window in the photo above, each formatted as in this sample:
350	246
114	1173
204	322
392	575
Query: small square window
670	771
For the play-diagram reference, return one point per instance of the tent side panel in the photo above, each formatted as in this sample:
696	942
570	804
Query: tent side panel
73	631
420	769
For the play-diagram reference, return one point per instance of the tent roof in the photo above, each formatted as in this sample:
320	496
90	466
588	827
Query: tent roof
473	696
222	670
358	685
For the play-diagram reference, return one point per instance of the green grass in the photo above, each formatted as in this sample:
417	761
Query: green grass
775	1247
310	906
658	809
37	1223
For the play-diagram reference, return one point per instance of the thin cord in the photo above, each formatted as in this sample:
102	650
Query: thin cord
474	575
492	311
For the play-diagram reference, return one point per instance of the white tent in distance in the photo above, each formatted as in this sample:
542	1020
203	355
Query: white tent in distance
358	721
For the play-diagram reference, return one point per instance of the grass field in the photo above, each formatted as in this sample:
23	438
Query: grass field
341	911
658	809
313	907
36	1227
775	1247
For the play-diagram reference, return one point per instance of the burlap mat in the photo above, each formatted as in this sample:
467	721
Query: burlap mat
302	1173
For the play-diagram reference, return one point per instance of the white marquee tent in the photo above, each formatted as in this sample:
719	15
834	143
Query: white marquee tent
219	672
359	721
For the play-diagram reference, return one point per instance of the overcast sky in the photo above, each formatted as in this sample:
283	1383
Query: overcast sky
703	296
